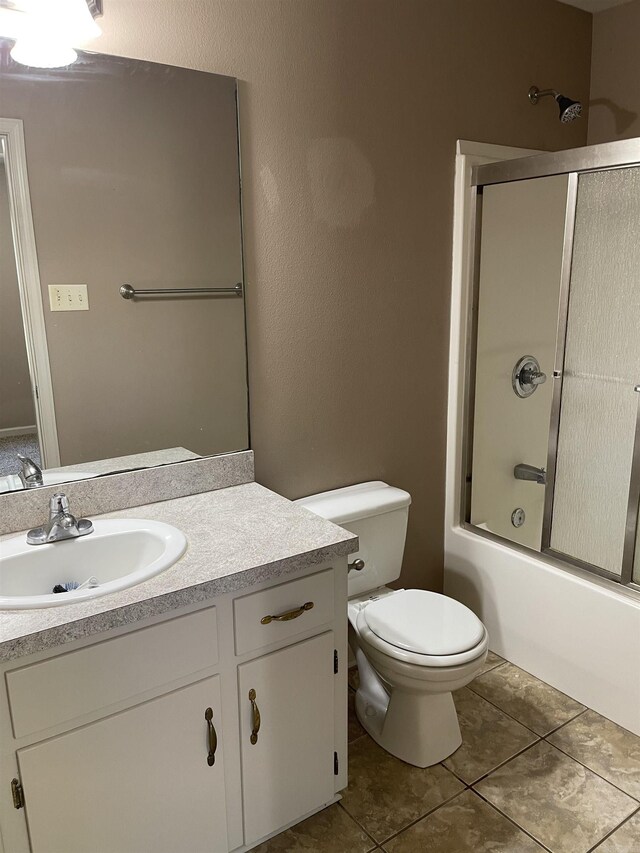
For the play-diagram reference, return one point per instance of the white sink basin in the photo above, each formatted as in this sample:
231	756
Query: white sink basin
119	553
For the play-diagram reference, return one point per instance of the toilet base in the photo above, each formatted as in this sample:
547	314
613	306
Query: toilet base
420	729
417	727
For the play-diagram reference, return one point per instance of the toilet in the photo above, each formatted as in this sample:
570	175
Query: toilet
412	647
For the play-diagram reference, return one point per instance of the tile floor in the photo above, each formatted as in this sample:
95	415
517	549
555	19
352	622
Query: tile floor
536	772
11	445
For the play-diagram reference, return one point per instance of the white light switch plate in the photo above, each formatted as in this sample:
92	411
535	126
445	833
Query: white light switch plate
68	297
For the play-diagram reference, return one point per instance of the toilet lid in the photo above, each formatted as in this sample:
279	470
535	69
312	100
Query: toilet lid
424	622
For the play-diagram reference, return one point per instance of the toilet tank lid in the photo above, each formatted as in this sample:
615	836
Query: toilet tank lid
353	502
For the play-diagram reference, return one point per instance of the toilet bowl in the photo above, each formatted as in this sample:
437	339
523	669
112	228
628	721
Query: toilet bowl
413	716
413	648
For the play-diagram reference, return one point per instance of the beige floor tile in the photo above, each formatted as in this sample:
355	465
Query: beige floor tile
613	752
561	803
329	831
385	794
533	703
463	825
491	662
354	729
489	737
624	840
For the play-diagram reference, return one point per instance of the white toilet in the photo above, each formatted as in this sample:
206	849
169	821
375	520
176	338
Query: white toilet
412	647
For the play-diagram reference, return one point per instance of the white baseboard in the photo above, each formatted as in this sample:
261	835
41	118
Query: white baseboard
23	430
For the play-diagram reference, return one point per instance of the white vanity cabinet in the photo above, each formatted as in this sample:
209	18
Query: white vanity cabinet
109	741
137	780
288	759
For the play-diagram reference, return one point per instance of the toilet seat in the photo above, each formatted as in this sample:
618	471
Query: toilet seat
424	622
423	628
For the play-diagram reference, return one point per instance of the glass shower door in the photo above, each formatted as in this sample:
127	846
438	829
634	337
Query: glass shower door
595	499
521	259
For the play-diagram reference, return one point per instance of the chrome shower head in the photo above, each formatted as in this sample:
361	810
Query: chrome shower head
569	109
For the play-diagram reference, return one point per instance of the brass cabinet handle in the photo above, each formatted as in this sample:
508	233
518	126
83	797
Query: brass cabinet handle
285	617
255	716
213	737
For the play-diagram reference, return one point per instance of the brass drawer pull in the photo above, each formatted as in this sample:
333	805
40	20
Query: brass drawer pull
255	716
213	737
285	617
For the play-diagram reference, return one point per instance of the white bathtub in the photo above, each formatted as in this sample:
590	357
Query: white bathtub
577	632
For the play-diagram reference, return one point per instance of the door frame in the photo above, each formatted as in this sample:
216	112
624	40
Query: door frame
24	243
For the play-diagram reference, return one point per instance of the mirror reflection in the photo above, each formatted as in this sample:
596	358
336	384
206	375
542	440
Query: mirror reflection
118	172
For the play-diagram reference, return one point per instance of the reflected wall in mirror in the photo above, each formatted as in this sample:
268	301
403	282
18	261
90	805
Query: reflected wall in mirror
555	444
116	171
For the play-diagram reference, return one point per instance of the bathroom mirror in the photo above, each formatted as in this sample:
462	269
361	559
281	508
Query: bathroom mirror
553	450
119	172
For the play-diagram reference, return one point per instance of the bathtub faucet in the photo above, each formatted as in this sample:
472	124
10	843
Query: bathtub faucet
522	471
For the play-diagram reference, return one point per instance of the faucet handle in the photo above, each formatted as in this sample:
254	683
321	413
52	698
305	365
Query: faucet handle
58	503
532	377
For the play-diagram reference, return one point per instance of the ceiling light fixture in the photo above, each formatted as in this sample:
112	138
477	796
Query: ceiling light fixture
46	31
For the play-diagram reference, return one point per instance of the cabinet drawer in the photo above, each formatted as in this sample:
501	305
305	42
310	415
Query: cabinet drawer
66	687
254	629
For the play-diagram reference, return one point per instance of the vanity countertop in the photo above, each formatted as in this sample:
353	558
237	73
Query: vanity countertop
237	537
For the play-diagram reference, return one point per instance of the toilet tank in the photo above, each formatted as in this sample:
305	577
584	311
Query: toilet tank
377	513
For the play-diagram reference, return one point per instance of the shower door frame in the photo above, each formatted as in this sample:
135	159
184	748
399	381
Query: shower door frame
573	162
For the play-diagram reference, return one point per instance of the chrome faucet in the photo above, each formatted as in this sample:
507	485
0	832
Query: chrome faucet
522	471
31	474
61	525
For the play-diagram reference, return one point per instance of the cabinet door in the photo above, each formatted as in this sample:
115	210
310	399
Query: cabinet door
288	771
134	782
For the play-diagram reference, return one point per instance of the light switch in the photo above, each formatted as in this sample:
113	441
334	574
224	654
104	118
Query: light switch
68	297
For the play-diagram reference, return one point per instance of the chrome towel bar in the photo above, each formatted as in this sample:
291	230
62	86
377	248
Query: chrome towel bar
128	292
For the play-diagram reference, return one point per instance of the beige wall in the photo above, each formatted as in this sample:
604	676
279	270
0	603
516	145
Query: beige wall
16	402
350	110
615	74
133	172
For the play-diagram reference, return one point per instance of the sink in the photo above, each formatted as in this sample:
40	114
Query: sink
120	553
50	477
